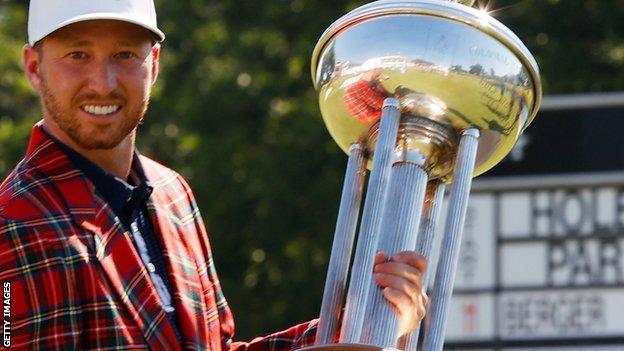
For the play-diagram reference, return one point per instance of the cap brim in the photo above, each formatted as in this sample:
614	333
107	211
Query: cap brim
160	36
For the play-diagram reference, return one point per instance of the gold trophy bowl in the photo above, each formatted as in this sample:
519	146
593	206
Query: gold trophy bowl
444	61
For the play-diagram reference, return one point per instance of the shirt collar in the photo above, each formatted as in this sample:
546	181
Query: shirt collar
121	195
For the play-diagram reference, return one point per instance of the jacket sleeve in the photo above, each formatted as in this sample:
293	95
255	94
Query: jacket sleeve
294	338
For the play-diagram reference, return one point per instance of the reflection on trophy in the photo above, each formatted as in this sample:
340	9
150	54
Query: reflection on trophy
422	93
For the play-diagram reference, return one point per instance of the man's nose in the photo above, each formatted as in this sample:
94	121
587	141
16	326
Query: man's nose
103	79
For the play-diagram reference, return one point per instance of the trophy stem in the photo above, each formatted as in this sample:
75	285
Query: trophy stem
399	228
361	274
333	296
451	241
424	245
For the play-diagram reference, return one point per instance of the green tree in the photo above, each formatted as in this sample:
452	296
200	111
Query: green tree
18	104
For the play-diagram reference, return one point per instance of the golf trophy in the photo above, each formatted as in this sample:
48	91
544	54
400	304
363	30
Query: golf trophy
422	93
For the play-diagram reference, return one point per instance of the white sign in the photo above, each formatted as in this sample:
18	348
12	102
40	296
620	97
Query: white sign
541	263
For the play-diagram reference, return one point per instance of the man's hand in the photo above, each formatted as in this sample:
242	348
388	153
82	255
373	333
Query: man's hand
400	280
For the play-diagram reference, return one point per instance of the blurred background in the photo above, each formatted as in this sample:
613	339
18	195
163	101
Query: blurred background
235	112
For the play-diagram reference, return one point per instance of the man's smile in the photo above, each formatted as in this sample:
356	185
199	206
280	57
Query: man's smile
100	109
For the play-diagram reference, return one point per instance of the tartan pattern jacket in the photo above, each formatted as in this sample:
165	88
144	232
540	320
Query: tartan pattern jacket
77	281
365	100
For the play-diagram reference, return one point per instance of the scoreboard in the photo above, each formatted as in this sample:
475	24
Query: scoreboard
542	260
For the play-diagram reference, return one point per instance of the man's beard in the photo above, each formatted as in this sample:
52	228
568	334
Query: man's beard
98	137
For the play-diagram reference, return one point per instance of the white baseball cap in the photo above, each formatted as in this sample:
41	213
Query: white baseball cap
46	16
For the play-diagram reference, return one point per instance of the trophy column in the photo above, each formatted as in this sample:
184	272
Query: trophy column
447	264
398	233
361	276
348	212
424	246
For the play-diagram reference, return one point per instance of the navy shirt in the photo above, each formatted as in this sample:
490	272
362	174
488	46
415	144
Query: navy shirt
128	201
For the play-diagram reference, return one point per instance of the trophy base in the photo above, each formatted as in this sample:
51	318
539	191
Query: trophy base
347	347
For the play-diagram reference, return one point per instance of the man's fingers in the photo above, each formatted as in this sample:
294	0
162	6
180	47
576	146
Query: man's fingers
404	306
407	287
380	257
399	269
400	281
401	303
397	298
411	258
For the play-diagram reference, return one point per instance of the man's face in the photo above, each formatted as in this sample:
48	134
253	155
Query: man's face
94	79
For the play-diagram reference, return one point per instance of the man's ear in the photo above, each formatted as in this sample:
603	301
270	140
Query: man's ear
32	66
155	62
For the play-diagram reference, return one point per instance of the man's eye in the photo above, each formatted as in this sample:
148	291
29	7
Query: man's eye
125	55
78	55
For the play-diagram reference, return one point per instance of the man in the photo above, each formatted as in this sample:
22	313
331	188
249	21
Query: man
103	248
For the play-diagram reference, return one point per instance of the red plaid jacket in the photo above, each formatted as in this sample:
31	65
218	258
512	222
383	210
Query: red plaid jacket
365	100
77	282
